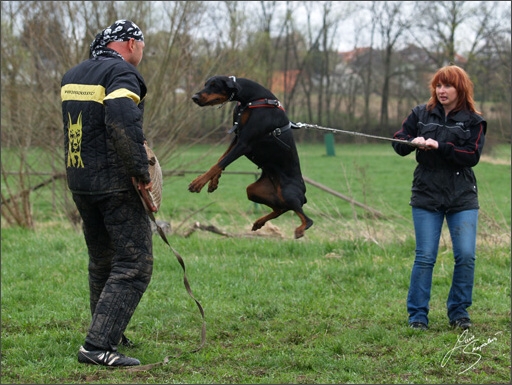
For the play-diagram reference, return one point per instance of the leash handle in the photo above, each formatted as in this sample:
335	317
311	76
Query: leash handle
145	196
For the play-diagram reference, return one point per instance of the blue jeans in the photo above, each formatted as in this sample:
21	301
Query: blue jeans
427	227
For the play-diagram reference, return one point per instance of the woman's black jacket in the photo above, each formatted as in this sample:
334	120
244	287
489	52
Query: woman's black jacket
444	179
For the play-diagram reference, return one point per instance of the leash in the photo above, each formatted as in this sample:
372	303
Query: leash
185	282
337	131
151	208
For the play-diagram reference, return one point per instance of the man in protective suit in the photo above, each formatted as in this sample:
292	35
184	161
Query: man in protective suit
102	111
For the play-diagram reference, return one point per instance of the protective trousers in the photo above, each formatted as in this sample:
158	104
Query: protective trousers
118	235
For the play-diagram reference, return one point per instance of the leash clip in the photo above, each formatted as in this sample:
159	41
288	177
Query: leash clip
234	128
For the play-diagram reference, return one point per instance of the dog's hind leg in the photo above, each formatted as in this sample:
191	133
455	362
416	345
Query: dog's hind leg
260	222
263	191
306	224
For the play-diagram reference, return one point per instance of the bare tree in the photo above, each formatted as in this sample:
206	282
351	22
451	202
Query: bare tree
31	46
362	65
475	35
167	68
188	41
448	29
329	27
267	53
392	24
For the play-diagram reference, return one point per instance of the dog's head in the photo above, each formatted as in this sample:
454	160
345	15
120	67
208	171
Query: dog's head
217	90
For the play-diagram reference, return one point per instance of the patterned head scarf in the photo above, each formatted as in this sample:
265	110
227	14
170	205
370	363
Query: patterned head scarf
121	30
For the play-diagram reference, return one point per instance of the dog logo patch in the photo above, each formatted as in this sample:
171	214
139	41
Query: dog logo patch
75	142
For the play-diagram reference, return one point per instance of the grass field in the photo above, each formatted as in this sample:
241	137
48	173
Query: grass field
327	308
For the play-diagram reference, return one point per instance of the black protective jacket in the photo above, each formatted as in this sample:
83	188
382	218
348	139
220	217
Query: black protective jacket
444	179
102	110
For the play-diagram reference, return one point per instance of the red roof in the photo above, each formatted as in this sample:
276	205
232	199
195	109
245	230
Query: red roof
278	80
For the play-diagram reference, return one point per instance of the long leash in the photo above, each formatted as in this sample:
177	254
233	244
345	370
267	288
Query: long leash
337	131
185	281
151	208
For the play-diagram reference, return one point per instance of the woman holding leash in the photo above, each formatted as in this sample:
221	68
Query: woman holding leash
450	133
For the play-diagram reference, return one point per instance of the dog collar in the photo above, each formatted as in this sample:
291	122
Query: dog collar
265	103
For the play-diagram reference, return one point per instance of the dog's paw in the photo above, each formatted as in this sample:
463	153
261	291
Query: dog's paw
257	225
214	183
299	232
195	186
212	186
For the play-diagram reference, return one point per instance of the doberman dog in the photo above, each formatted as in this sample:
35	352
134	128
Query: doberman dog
263	134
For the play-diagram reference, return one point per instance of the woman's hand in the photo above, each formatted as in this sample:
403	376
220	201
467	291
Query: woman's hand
429	144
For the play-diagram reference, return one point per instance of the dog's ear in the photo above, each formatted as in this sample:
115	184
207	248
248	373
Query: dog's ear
232	84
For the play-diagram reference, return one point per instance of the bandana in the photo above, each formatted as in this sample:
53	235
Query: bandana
121	30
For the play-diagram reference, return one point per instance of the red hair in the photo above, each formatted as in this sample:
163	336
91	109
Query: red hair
458	78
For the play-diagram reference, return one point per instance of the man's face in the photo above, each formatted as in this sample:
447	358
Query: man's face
138	51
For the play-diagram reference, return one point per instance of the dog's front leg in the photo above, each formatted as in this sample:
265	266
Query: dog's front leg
213	174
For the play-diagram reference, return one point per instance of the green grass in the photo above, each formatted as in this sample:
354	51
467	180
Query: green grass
327	308
371	174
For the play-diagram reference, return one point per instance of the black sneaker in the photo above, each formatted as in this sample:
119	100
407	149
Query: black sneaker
418	326
105	358
463	323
